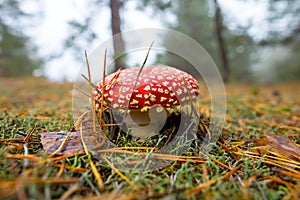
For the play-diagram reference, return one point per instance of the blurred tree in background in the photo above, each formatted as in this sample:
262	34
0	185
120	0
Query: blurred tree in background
219	27
119	44
283	40
240	55
203	21
237	52
16	53
284	22
84	29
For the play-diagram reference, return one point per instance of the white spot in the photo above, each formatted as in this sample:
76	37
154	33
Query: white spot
110	99
125	89
160	90
147	103
145	108
146	96
165	83
134	102
154	89
179	91
122	96
194	85
174	84
166	91
120	101
128	97
159	77
139	95
147	88
115	105
162	99
159	109
152	98
111	92
130	74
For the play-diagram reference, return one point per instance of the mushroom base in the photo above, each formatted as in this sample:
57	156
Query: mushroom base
118	132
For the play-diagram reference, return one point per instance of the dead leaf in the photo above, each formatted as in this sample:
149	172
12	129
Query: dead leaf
51	141
284	146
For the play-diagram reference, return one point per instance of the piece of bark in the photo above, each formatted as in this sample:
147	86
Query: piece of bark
51	141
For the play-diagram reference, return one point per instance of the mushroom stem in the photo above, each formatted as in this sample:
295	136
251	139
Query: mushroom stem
144	124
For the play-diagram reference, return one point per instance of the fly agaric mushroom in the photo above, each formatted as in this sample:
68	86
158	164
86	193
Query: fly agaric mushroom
148	98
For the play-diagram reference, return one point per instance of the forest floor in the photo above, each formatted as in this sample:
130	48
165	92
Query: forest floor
256	157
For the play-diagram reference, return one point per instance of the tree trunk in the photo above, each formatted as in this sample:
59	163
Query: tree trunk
119	46
221	42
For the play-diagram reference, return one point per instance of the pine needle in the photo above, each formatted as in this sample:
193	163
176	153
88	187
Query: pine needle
211	182
61	145
94	168
120	173
91	92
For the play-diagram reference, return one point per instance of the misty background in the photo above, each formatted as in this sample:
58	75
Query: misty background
249	40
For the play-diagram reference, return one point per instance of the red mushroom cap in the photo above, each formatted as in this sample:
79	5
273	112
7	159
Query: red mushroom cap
156	85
